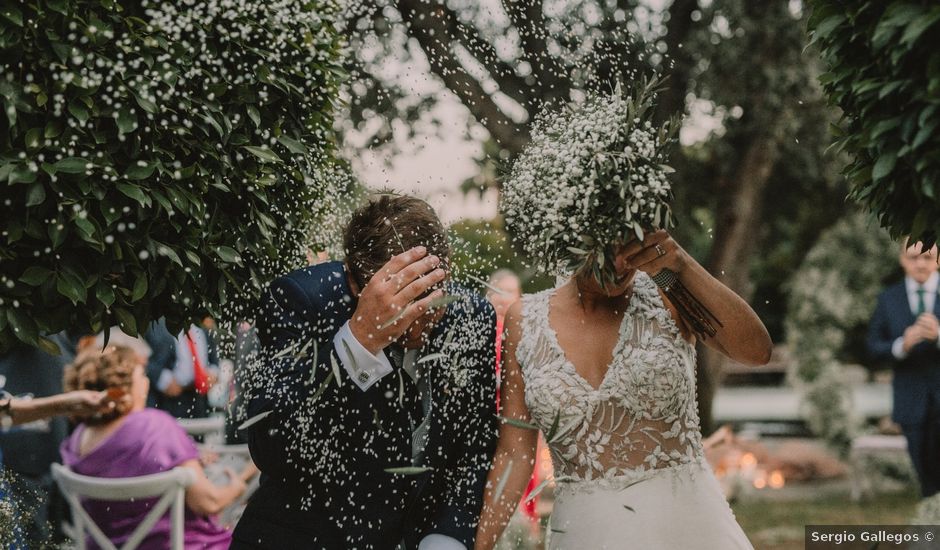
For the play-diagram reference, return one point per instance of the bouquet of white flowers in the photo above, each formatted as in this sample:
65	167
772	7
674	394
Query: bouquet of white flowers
593	176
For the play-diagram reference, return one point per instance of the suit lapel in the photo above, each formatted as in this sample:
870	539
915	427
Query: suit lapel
433	372
903	305
433	345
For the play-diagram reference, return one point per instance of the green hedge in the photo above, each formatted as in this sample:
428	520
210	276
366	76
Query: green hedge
157	159
883	71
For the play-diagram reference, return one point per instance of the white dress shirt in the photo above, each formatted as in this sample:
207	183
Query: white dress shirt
913	299
362	367
365	369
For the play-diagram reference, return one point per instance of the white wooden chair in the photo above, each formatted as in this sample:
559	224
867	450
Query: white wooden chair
235	457
212	428
170	486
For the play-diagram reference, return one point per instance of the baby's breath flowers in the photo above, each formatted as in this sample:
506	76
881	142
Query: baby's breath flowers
594	175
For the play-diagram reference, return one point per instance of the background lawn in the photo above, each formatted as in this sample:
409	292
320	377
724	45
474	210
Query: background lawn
778	525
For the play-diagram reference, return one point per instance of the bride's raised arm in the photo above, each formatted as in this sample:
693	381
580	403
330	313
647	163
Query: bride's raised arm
742	336
515	452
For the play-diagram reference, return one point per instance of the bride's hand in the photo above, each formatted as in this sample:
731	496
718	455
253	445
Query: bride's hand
657	251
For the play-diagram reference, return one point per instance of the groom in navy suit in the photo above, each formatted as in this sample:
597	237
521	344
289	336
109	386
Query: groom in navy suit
904	331
371	414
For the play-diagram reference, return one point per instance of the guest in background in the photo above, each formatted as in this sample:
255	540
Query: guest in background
504	290
131	440
180	370
33	509
32	446
903	331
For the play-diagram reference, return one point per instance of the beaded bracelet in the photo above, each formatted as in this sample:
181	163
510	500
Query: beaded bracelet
690	308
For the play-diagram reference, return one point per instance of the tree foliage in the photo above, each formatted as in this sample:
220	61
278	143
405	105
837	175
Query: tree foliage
157	159
481	247
883	71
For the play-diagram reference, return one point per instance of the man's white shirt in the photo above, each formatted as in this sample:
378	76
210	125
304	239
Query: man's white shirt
364	368
183	370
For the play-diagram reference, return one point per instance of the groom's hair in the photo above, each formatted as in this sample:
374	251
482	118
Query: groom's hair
386	226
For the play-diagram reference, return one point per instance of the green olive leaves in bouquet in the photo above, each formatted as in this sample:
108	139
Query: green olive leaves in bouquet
593	177
157	159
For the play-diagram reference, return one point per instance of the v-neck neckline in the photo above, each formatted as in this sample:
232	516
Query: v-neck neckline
553	340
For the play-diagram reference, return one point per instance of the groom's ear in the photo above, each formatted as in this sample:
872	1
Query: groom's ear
354	288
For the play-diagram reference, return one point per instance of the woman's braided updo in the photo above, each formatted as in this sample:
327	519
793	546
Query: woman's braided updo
112	370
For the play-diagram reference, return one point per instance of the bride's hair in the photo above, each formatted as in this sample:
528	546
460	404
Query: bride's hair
388	225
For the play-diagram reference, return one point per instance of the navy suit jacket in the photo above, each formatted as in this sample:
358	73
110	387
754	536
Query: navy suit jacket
324	447
916	377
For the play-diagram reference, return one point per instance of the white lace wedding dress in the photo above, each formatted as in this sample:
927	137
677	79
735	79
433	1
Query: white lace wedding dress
629	465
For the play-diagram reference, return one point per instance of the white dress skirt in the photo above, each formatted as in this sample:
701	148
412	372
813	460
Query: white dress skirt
672	509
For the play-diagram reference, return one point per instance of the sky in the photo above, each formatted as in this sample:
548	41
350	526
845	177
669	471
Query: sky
434	168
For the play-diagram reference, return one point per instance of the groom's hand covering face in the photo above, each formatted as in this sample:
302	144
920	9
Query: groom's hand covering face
395	297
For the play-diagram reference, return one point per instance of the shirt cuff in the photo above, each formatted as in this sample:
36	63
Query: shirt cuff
163	382
897	348
436	541
362	367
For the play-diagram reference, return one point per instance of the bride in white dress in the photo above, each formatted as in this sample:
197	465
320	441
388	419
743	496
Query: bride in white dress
608	376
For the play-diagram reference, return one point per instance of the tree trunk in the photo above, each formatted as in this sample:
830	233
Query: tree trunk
736	233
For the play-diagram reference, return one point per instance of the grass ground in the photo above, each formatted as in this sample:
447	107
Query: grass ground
778	525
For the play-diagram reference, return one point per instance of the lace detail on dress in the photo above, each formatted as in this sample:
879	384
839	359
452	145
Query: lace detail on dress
642	418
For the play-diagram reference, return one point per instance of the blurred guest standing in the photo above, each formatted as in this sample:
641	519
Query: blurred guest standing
180	370
904	331
504	290
32	447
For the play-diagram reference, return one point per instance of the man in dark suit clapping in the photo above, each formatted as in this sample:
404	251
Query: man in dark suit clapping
904	331
371	409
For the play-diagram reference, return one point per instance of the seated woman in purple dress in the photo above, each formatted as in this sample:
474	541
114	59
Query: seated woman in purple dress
131	440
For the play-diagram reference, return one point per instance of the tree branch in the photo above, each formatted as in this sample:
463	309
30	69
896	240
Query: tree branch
528	18
502	72
672	99
430	27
